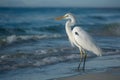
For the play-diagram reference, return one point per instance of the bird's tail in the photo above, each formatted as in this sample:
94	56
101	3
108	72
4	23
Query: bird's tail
97	51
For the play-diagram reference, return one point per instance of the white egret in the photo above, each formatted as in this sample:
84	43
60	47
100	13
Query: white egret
80	38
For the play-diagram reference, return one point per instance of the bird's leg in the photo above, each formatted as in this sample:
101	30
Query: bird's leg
81	59
85	56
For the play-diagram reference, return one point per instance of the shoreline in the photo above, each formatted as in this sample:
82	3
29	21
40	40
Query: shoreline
110	74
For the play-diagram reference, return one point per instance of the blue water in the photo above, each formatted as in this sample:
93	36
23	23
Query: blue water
33	44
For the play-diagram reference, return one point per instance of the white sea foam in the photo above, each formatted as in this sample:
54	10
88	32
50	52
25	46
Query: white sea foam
49	60
55	59
73	56
16	38
9	61
11	39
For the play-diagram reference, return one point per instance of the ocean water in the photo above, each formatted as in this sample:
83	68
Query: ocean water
34	46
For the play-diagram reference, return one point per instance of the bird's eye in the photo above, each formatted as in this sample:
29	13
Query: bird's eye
67	15
76	33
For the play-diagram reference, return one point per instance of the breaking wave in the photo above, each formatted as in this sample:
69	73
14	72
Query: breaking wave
18	38
112	29
11	30
23	60
42	58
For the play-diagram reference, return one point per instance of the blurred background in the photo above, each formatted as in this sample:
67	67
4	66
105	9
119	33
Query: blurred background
33	44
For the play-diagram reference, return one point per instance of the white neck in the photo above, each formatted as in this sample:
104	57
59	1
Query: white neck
72	21
68	25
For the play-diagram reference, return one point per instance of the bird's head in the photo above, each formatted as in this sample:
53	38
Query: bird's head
67	16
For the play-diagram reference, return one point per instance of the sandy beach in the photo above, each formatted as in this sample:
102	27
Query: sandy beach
111	74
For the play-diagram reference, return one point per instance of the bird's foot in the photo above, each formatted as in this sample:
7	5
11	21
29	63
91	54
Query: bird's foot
80	69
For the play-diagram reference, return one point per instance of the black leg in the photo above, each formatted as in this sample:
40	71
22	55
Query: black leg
81	59
85	56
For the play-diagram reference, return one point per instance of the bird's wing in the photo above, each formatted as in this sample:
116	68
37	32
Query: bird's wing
82	39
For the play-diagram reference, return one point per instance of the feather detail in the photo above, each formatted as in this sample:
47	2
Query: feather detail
85	41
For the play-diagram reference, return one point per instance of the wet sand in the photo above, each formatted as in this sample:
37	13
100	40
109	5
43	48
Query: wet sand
111	74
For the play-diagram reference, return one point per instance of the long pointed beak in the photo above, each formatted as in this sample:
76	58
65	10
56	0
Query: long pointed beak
59	18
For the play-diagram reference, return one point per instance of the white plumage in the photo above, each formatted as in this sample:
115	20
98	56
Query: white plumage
83	40
79	38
